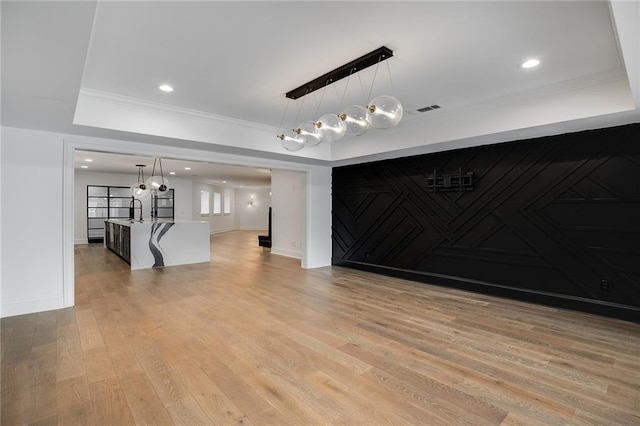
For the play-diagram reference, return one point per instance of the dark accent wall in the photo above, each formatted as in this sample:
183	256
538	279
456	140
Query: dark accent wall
554	220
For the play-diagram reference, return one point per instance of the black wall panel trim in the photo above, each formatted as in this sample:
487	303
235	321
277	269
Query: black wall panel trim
553	220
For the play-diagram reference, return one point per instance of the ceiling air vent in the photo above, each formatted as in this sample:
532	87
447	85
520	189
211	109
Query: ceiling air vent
429	108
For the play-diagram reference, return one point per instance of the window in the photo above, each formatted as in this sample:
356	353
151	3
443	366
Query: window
164	207
227	204
114	202
217	209
204	202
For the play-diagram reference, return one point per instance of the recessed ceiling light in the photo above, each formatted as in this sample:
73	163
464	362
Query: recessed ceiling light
165	88
172	173
530	63
88	160
187	168
84	167
224	181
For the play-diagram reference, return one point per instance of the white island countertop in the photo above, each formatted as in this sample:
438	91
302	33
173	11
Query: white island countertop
129	222
159	243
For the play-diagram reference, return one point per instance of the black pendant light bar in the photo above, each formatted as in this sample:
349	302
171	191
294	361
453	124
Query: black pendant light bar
339	73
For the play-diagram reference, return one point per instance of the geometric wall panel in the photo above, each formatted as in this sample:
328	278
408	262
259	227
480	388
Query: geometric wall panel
548	219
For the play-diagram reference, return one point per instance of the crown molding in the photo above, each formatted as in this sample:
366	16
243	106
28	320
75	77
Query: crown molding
129	101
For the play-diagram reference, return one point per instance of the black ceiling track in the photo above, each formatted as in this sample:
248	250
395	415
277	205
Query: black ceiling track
341	72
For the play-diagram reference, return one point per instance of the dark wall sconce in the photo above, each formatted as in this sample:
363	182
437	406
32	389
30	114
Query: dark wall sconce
459	181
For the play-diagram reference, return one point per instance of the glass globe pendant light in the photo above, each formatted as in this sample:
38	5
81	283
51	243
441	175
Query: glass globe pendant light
157	183
381	112
310	133
385	111
291	141
334	128
356	119
140	190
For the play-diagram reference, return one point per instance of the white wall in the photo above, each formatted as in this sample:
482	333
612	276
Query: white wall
256	216
317	219
182	198
287	189
32	221
217	222
1	225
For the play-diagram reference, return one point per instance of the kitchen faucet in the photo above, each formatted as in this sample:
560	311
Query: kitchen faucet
132	208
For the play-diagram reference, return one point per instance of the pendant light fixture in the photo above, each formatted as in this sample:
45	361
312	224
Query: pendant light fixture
310	133
356	120
334	128
385	111
289	139
157	183
381	112
140	190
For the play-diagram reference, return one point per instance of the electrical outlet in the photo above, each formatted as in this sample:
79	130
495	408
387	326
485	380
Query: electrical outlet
293	243
605	285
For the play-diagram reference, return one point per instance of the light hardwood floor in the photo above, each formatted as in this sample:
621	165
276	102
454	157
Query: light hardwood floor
253	339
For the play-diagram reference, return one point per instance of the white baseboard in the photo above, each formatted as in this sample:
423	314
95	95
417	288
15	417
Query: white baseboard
81	241
29	306
220	231
287	253
238	228
252	228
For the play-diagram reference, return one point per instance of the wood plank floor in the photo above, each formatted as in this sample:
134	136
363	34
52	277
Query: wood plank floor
253	339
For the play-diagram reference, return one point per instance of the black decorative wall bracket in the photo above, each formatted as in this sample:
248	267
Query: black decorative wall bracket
459	181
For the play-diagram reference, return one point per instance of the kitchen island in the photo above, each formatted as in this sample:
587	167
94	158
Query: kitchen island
158	243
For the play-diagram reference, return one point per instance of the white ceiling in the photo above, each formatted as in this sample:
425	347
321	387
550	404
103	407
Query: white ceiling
93	69
219	174
237	59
